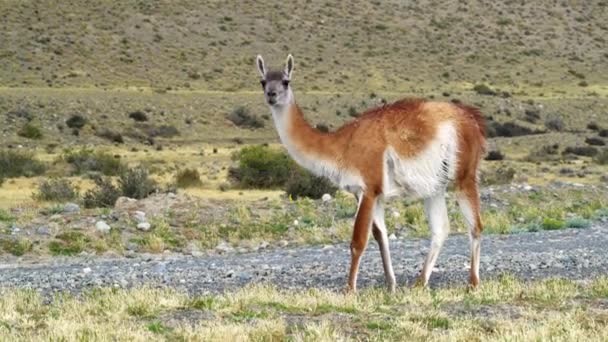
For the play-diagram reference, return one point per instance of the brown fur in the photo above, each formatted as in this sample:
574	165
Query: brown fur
408	126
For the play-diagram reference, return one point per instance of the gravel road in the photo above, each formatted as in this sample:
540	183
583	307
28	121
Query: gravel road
571	253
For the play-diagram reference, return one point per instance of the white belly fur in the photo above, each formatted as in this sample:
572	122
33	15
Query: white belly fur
428	172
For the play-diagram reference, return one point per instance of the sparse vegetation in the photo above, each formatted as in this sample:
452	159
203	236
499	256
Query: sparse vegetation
188	178
76	121
241	117
104	195
88	161
30	131
138	116
587	151
495	155
56	189
19	164
136	183
483	89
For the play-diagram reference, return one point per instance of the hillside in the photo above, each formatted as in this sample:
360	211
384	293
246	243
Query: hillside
339	46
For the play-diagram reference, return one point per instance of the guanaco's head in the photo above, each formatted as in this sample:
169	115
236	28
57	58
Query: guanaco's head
276	83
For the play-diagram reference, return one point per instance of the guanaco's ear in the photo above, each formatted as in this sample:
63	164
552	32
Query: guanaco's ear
259	61
289	66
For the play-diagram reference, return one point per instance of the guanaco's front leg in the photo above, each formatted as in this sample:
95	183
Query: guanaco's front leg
363	223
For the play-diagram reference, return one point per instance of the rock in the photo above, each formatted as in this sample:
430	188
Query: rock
70	208
224	247
295	222
102	227
144	226
139	216
283	243
395	214
15	230
86	270
123	203
55	217
263	245
43	231
392	237
131	246
326	198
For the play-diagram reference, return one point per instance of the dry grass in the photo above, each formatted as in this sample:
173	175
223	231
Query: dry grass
503	309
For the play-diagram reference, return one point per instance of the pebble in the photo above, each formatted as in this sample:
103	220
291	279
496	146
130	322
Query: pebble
86	270
392	237
144	226
139	216
71	208
326	198
102	227
43	231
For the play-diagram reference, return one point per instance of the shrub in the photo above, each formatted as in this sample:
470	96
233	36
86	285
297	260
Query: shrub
578	222
500	176
495	155
57	189
86	160
68	243
136	183
545	153
302	183
260	167
352	111
76	121
593	126
19	164
603	133
555	124
30	131
241	117
103	196
111	135
188	178
532	115
322	127
587	151
553	224
509	129
164	131
16	247
602	157
138	116
483	89
595	141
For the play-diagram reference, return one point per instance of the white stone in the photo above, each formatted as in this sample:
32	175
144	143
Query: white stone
86	270
139	216
71	208
295	222
395	214
102	227
145	226
326	197
392	237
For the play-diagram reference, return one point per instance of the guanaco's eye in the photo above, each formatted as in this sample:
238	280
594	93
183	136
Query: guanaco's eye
263	83
285	83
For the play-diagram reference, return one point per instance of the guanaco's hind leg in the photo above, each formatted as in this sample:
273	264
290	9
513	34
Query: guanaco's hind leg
437	216
468	201
363	223
379	231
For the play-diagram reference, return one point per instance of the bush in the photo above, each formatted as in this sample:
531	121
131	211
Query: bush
483	89
602	157
509	129
19	164
545	153
86	160
57	189
555	124
495	155
136	183
243	118
302	183
138	116
502	175
260	167
532	115
76	121
352	111
587	151
103	196
603	133
578	222
30	131
111	135
593	126
188	178
595	141
553	224
164	131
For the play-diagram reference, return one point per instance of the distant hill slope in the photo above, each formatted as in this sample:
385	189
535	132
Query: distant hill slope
338	45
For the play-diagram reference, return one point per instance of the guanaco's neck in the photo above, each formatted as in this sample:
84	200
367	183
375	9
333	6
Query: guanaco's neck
304	143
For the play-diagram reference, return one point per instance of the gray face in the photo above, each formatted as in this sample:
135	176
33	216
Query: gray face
276	88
